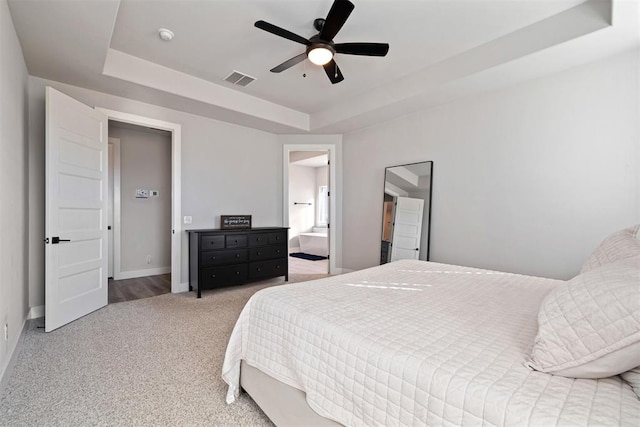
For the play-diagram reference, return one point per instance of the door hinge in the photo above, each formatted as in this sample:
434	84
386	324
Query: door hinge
328	225
328	193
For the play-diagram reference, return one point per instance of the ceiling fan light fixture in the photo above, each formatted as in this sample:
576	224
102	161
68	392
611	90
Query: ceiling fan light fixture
320	54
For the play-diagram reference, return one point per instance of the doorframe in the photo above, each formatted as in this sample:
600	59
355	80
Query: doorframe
333	221
116	207
176	186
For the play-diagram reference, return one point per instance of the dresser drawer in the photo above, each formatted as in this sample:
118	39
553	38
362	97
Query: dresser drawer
267	252
271	268
279	237
228	256
258	239
228	275
212	242
237	241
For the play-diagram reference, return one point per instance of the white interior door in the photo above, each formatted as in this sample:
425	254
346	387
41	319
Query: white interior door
75	210
407	228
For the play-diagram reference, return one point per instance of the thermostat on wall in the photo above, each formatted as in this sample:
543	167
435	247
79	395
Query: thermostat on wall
142	193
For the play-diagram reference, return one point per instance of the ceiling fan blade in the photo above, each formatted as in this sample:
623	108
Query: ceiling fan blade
273	29
338	14
366	49
333	72
289	63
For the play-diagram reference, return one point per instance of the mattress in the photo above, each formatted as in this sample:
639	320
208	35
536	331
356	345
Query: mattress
415	343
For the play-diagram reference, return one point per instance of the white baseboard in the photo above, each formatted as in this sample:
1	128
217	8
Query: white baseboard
142	273
10	361
182	287
36	312
344	270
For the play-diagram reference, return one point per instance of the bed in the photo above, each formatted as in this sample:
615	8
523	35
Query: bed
410	343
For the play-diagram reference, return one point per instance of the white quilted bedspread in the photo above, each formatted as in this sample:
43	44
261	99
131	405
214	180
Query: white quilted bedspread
418	343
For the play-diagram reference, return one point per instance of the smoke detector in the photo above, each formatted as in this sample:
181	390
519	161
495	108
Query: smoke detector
166	35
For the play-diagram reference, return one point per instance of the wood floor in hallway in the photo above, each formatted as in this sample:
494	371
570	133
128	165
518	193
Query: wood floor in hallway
138	288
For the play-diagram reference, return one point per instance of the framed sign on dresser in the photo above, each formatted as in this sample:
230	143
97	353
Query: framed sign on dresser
227	257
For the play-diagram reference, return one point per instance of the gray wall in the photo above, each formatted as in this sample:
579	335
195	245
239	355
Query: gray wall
527	179
226	169
145	162
14	199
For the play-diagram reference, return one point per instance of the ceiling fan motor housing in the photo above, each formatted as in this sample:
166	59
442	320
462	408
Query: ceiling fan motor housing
318	23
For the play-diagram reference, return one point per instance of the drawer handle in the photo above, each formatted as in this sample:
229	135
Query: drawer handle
213	257
277	237
237	273
257	239
258	269
236	241
213	276
277	251
277	267
237	255
258	253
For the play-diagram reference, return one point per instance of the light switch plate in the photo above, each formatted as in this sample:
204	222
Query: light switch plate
141	193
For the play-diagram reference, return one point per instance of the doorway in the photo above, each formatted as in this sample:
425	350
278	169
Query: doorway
316	198
139	212
308	212
177	285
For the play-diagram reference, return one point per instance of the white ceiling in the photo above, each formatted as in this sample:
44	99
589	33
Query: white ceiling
439	50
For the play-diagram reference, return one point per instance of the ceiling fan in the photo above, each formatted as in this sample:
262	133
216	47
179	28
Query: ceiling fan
321	48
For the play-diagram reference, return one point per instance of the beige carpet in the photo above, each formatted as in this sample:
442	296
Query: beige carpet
150	362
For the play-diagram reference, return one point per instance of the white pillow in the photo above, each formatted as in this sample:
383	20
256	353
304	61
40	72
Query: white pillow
620	245
589	327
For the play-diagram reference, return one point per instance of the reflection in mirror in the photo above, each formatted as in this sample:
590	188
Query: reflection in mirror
406	212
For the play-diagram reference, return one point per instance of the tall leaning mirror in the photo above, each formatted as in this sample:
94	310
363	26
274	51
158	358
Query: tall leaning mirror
406	212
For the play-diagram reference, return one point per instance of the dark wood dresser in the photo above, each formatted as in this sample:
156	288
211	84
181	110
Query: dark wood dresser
231	257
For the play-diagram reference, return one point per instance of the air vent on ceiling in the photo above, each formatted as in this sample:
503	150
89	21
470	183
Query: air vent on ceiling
240	79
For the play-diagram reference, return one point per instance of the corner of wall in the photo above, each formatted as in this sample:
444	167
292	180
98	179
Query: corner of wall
14	201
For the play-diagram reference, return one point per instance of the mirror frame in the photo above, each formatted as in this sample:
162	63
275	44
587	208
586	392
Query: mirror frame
430	163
